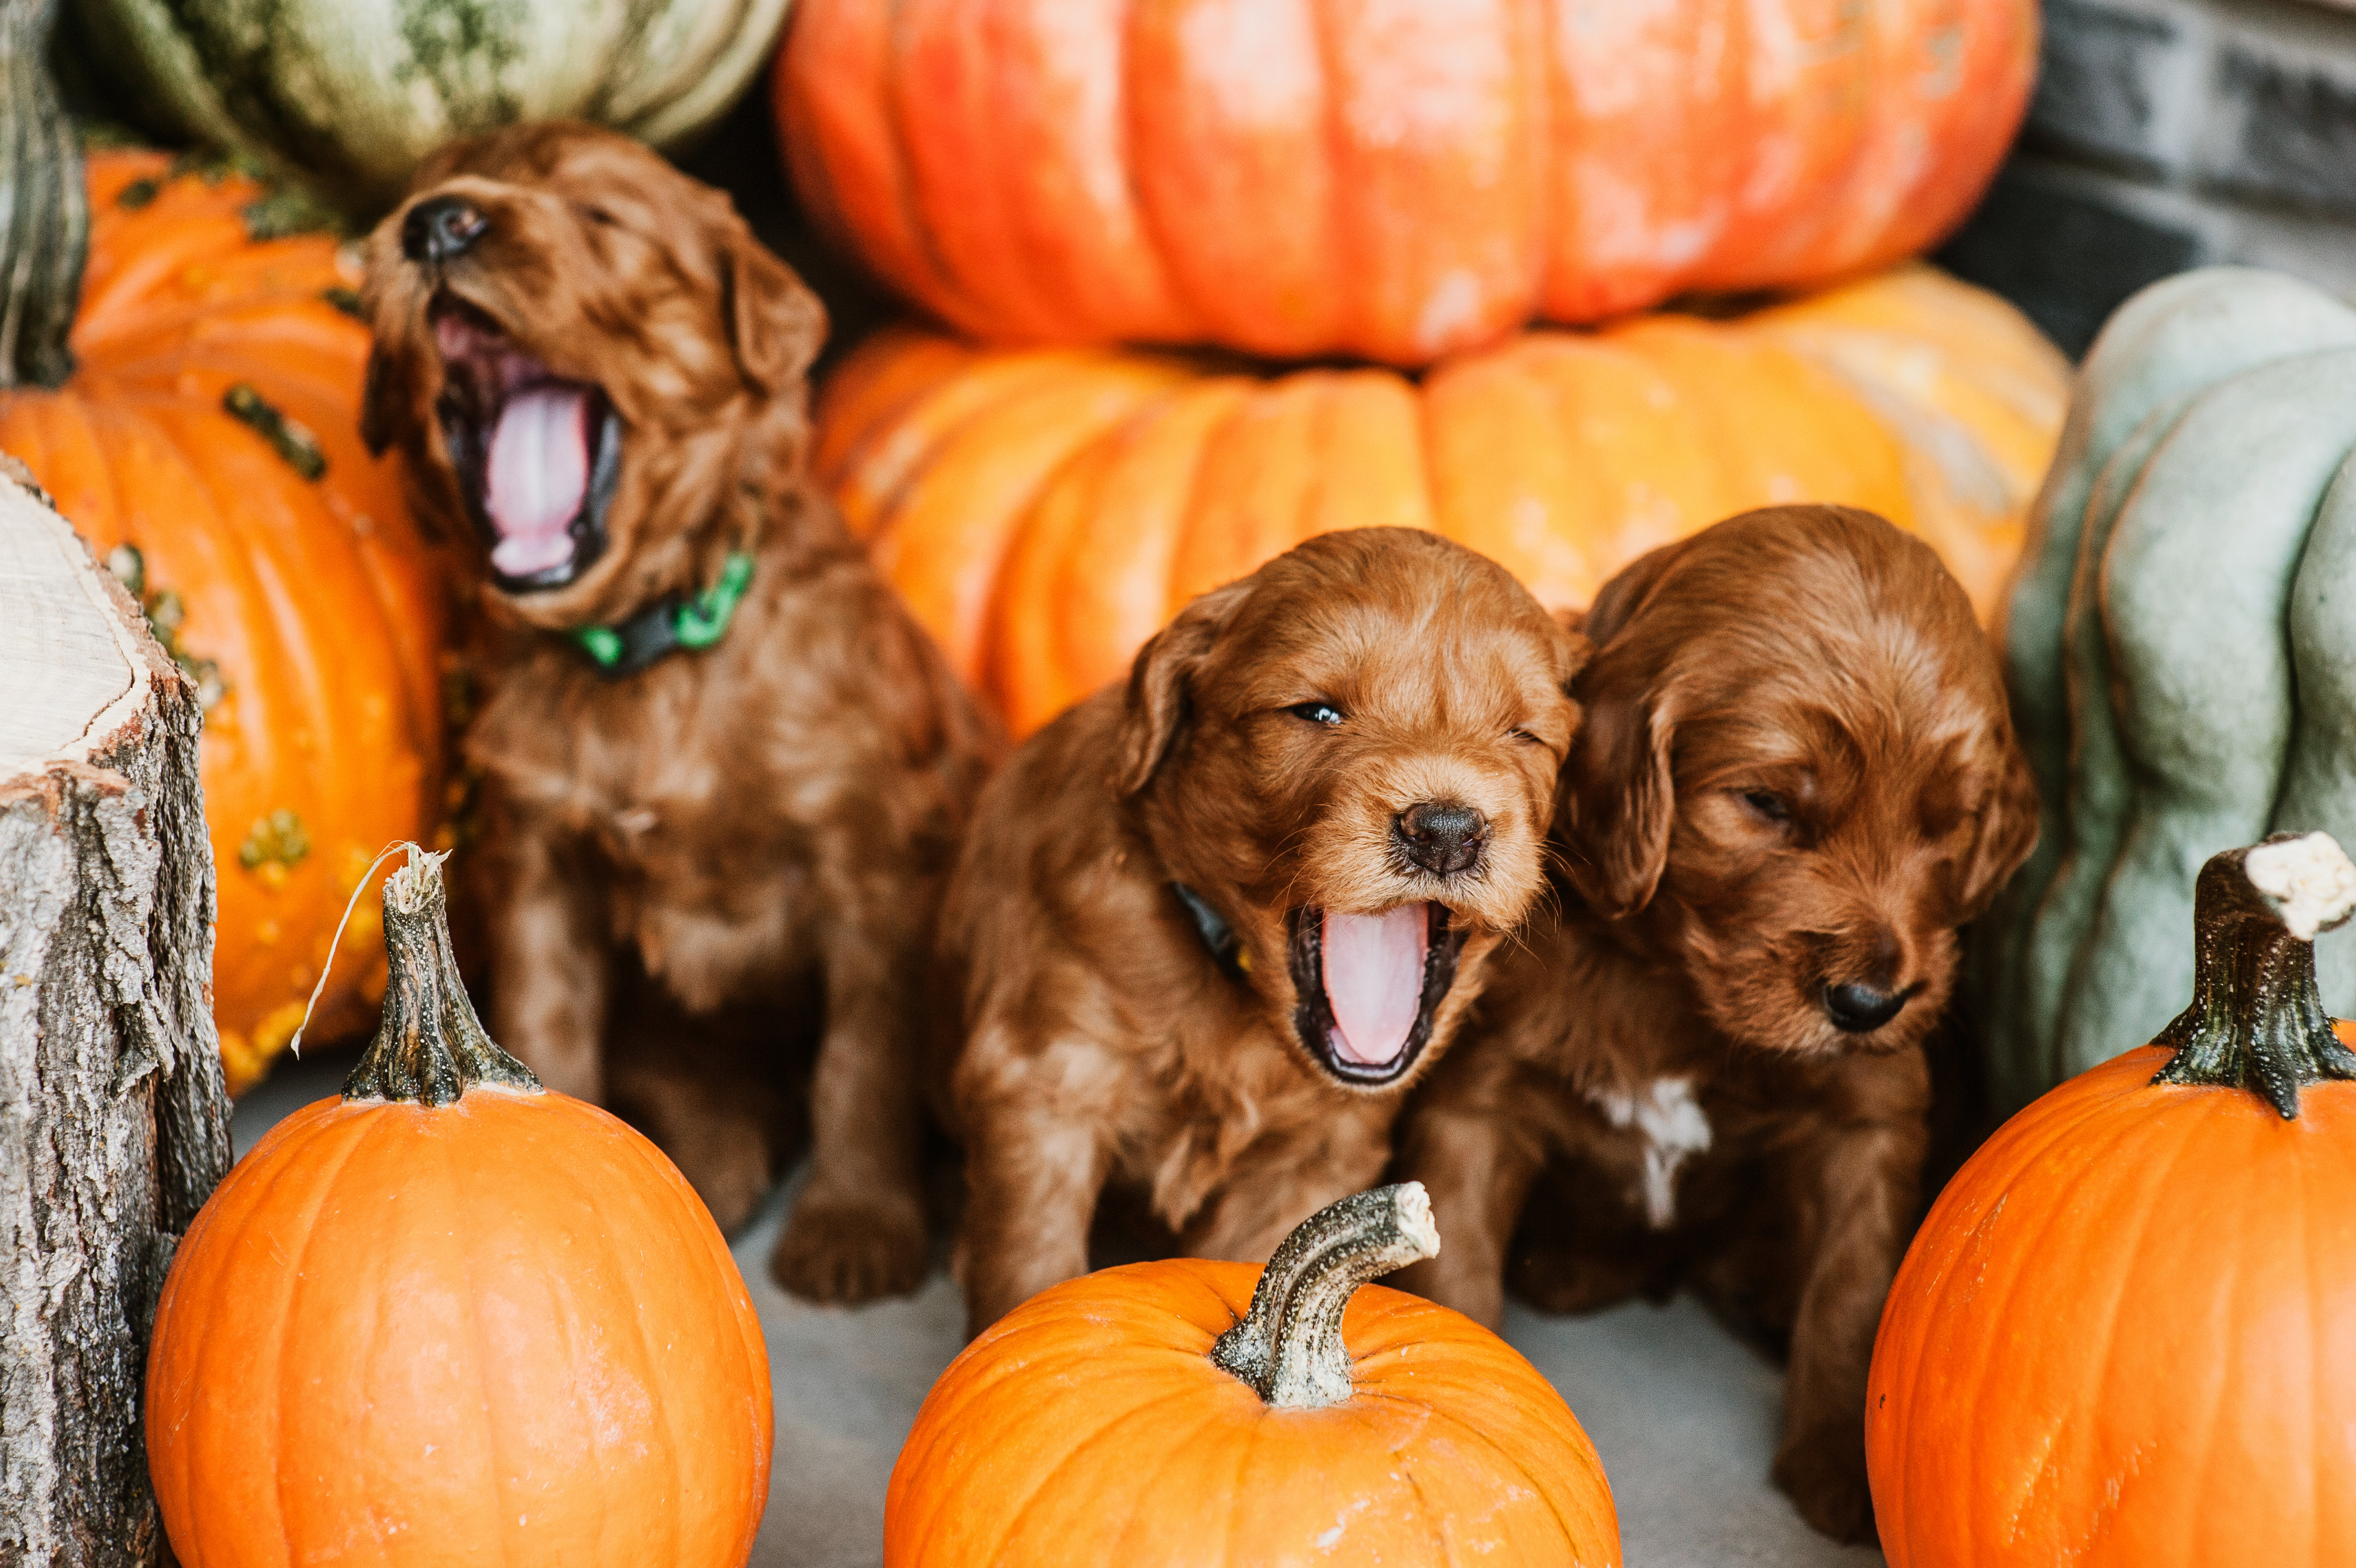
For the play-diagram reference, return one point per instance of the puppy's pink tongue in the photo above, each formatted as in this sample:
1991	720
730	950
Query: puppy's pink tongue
537	477
1374	980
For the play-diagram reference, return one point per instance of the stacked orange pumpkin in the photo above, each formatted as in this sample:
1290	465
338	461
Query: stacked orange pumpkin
206	448
1046	511
1386	180
1409	185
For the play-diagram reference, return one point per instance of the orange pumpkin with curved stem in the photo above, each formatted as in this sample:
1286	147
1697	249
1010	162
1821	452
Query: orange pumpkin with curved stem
207	446
1234	1415
2125	1336
1046	511
457	1318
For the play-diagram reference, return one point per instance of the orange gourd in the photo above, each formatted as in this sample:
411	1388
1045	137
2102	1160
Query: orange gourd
452	1317
1218	1413
1390	179
1046	511
207	448
2125	1337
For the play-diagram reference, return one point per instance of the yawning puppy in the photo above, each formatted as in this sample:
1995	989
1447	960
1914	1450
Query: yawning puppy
715	749
1208	928
1797	780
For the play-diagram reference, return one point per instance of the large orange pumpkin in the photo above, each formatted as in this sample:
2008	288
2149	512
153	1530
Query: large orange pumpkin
1216	1414
1046	511
1394	179
454	1318
207	446
2125	1337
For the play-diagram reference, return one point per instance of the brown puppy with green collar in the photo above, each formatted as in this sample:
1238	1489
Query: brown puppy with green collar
725	772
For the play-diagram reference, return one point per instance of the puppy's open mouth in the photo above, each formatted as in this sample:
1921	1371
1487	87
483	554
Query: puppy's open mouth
537	456
1370	986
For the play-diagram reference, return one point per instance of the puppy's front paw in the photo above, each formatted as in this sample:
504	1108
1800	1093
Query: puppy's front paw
846	1251
1823	1471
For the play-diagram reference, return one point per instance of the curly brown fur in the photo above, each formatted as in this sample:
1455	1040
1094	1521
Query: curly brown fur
1103	1041
1798	773
760	824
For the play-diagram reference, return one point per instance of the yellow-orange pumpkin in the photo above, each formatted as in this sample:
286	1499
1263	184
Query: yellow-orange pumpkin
212	428
452	1317
2125	1337
1044	511
1219	1413
1391	179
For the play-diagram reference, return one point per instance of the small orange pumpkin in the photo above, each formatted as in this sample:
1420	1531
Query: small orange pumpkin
1046	511
1222	1414
207	446
2125	1337
457	1318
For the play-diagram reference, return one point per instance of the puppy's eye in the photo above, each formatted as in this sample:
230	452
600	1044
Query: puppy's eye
599	215
1767	804
1525	737
1316	713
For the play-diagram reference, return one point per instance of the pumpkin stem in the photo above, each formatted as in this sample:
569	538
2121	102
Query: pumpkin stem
1289	1347
44	211
2256	1019
432	1049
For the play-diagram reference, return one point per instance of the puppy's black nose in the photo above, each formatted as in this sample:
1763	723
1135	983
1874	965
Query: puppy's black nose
1440	836
437	229
1857	1008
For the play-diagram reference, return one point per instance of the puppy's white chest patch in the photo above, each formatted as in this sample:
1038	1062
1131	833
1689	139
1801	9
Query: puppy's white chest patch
1669	1119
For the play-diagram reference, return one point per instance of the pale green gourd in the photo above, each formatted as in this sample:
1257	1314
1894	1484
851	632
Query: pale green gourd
348	95
2182	655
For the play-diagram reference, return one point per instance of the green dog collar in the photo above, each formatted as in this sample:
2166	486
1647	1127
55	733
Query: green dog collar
668	623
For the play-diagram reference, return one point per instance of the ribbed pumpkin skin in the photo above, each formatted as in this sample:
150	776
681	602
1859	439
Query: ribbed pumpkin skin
2181	656
2125	1337
1101	171
1046	511
1101	1391
349	95
354	1357
313	597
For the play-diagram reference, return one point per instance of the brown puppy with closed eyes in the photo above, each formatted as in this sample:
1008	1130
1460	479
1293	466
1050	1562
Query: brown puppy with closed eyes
1797	780
725	772
1208	927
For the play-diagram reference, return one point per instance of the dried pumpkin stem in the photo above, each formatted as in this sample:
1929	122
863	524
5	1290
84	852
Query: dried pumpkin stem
432	1047
1289	1347
2257	1020
44	211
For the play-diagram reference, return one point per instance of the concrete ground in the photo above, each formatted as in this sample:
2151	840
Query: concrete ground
1683	1415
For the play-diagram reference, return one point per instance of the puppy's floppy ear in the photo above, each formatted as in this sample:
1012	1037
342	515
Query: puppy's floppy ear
1158	682
1617	798
774	323
2008	832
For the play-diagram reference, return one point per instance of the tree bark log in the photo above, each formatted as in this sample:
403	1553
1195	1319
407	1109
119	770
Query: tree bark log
44	211
114	1123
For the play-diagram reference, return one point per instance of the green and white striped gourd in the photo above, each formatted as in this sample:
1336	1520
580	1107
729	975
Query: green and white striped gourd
348	95
2181	649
